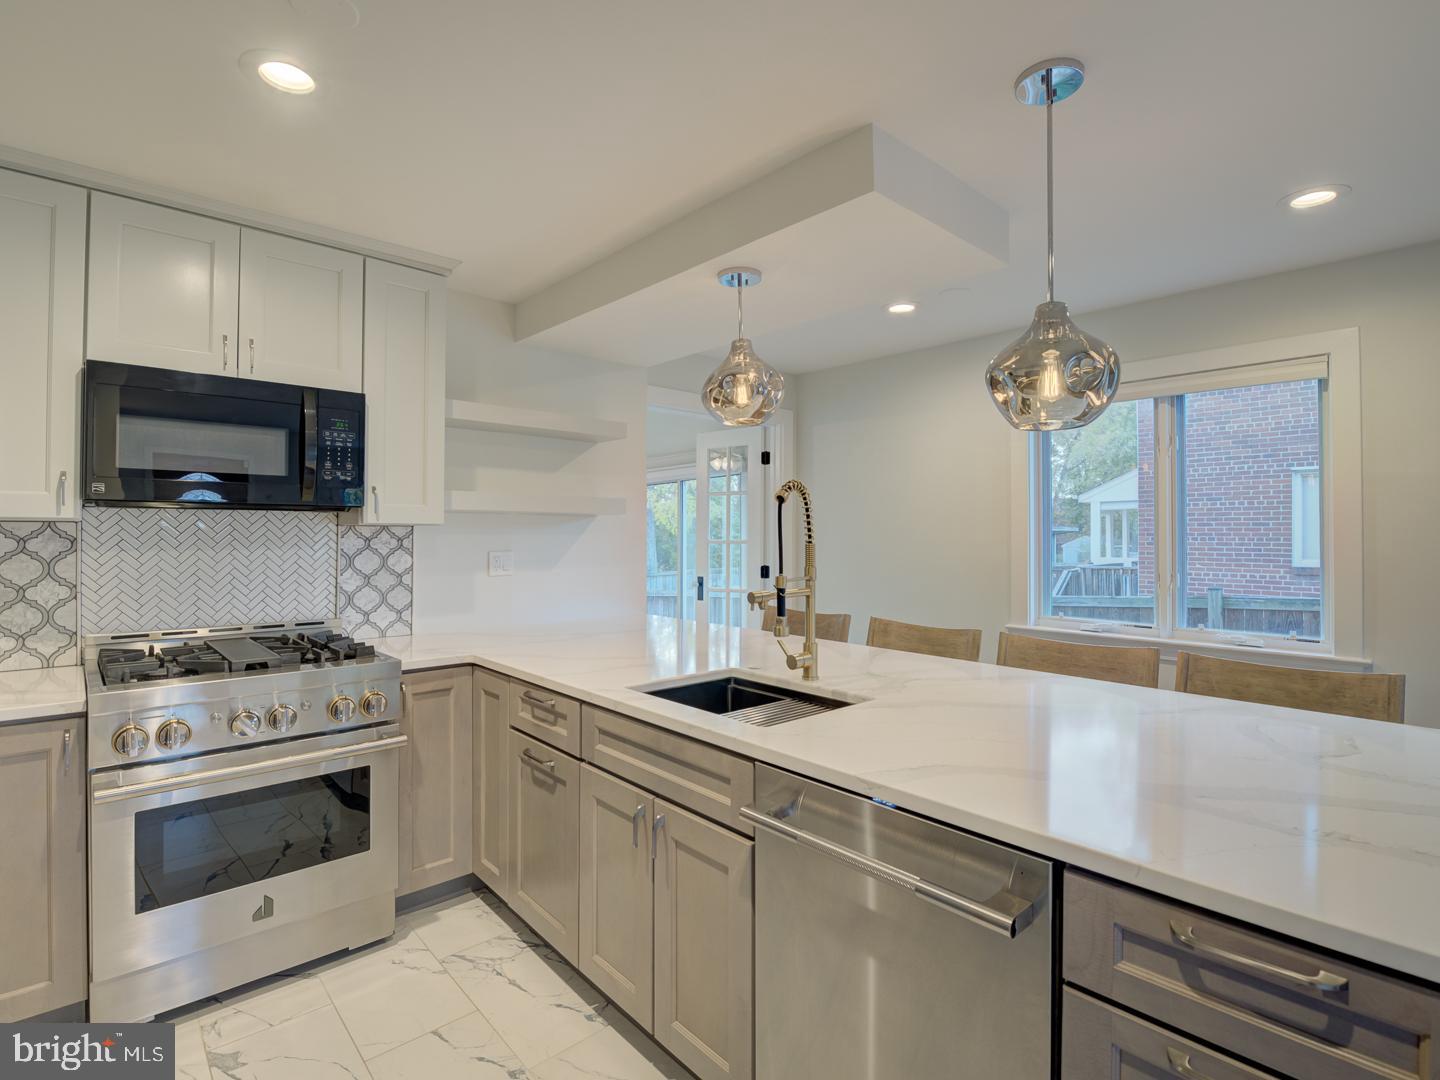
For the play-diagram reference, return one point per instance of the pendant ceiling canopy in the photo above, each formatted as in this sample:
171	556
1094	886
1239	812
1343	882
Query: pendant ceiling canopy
1054	376
744	390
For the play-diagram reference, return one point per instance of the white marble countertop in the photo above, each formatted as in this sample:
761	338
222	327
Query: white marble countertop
1325	828
41	692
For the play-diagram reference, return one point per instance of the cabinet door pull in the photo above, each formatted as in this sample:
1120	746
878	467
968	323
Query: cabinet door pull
635	820
655	826
375	491
60	487
65	753
1322	980
252	356
536	760
1179	1062
224	352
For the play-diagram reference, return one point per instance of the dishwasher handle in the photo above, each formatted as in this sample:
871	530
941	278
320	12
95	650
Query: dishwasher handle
1004	913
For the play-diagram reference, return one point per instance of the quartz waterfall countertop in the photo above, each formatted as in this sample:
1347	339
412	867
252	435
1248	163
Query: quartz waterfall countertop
1326	828
37	693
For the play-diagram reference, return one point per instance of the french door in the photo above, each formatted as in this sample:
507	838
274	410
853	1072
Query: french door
730	523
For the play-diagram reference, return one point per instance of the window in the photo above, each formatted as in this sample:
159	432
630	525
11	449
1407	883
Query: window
1305	517
670	548
1197	506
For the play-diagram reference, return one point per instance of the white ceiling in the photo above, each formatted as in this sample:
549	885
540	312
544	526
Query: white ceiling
531	138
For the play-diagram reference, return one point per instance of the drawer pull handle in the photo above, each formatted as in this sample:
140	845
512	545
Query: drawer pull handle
535	760
535	699
1180	1064
1322	980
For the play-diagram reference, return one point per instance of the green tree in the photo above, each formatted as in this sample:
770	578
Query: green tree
1088	457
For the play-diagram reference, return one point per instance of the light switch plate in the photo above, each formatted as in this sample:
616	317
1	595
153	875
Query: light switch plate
502	563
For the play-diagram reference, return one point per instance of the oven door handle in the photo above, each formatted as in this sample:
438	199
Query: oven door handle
231	772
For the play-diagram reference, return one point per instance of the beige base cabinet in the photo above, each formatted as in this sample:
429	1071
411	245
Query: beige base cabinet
435	782
617	891
490	767
704	945
43	947
545	841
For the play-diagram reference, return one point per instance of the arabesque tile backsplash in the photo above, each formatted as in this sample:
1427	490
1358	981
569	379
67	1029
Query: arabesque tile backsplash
124	569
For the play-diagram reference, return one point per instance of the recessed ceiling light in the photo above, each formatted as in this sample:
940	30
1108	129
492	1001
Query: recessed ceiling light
285	76
904	307
1313	197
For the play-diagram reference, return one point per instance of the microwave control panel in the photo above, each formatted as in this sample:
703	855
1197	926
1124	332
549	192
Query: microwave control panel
340	458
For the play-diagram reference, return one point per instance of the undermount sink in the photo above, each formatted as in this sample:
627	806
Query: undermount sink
746	701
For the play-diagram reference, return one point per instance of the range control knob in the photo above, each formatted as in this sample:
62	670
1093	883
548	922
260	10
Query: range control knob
342	709
130	741
282	718
245	724
374	704
173	734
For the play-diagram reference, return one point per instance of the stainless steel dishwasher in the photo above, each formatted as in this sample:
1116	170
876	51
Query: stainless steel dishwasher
888	947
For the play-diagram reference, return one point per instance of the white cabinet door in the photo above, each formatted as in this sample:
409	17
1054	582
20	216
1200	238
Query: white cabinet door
404	395
301	312
42	312
164	287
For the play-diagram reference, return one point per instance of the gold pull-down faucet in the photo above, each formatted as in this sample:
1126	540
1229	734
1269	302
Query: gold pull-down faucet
807	660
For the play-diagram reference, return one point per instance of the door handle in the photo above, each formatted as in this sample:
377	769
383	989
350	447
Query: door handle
60	487
655	826
224	352
535	759
700	587
65	753
635	820
1179	1063
1322	980
252	356
375	491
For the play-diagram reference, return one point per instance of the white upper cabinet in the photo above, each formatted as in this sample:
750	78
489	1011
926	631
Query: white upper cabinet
163	287
301	310
42	303
404	395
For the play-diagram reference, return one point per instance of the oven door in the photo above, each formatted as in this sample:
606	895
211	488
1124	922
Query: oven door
192	854
170	437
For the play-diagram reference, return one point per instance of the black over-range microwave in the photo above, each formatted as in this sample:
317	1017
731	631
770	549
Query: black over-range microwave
155	437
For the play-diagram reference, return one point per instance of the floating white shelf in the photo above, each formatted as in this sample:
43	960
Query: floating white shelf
480	502
483	416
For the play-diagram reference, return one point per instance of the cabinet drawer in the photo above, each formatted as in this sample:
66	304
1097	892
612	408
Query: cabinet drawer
1258	996
1099	1042
546	715
709	781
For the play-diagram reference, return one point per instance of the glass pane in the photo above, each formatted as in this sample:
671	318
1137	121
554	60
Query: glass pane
1250	530
737	517
664	547
1100	551
737	565
716	579
717	517
200	848
164	445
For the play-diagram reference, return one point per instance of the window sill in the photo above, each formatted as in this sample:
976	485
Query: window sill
1168	647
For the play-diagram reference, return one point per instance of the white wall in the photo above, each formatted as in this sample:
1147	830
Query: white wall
566	568
910	463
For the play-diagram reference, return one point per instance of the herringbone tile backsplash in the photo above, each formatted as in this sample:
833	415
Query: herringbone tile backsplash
152	569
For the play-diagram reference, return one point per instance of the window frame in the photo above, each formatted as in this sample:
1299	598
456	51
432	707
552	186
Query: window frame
1342	644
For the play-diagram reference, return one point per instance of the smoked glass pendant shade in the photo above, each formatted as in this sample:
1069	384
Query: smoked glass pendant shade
1053	376
744	390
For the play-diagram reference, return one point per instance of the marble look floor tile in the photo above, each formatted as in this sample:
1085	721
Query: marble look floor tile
394	994
621	1052
261	1005
315	1046
191	1062
453	924
537	1002
467	1049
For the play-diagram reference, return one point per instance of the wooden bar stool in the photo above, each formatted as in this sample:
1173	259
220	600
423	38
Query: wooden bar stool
1373	697
827	627
930	640
1135	666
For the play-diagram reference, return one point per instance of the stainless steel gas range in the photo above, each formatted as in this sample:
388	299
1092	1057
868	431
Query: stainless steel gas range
244	787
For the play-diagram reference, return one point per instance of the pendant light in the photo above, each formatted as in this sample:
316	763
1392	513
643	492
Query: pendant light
1054	376
744	390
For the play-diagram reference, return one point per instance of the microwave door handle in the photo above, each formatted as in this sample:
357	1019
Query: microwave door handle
311	449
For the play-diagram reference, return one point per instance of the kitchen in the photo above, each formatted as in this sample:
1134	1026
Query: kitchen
378	697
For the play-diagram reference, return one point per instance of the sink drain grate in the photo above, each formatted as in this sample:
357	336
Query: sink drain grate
778	712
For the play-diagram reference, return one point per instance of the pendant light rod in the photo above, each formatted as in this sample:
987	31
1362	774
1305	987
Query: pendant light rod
1050	185
740	310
